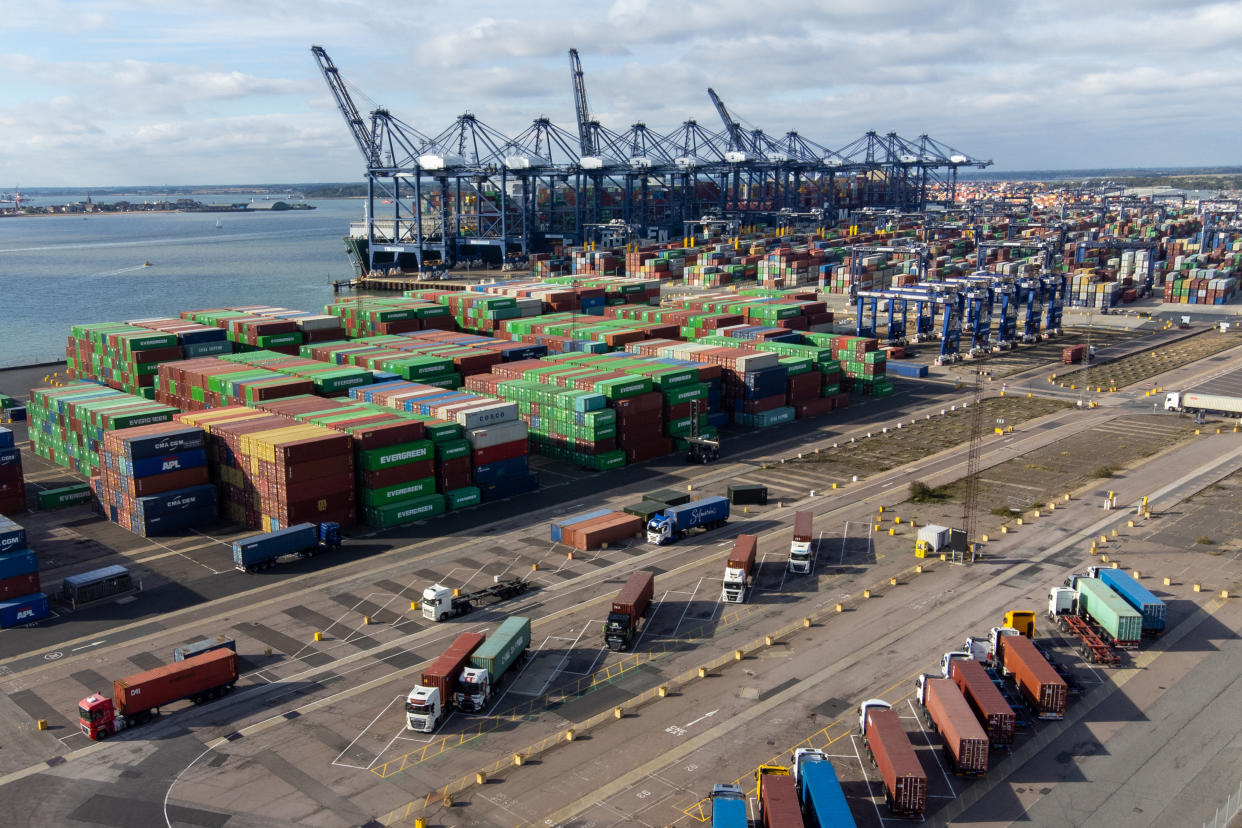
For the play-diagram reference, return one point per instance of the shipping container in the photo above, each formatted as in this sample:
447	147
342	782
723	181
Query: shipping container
96	585
445	670
152	689
503	647
1098	601
778	802
989	706
204	645
18	562
23	610
965	743
1139	597
1042	688
905	783
748	494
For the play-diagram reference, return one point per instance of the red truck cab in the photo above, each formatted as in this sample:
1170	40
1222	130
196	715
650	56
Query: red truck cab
97	716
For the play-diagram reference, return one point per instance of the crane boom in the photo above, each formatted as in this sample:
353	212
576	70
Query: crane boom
585	138
732	127
357	127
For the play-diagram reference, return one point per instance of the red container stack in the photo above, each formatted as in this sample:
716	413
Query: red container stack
12	482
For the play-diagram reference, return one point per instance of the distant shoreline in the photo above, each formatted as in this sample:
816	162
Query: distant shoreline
95	213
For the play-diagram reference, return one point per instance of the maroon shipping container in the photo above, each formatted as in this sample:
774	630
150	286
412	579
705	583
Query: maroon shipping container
444	671
635	596
1040	683
166	482
803	531
778	802
905	784
501	451
609	528
380	478
19	585
743	554
180	680
985	700
964	740
1073	354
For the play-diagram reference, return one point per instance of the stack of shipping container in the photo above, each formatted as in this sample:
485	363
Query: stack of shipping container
67	424
153	479
329	380
12	480
127	356
21	602
211	382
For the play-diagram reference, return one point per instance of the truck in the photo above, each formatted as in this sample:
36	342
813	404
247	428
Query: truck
931	539
1063	609
1200	402
905	784
778	798
627	608
728	807
432	697
301	541
204	645
491	662
138	698
739	569
819	791
441	602
1044	691
1021	620
674	522
1139	597
985	700
1121	623
800	546
948	713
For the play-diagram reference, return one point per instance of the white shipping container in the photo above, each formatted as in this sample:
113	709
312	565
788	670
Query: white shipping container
498	434
486	414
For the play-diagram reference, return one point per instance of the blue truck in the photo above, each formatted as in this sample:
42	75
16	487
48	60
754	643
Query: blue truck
303	540
819	791
1139	597
674	522
728	807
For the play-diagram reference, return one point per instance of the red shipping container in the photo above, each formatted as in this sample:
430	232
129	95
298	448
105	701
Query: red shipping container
166	482
19	585
381	478
502	451
810	408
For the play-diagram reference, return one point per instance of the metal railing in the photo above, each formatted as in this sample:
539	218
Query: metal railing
1226	813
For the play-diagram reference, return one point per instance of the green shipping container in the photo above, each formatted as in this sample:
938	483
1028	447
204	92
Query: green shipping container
1108	609
397	493
398	455
412	510
463	498
64	496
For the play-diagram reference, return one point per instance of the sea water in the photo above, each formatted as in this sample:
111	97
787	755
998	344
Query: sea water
56	271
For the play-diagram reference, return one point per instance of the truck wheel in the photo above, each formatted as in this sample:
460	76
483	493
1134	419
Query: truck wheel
103	734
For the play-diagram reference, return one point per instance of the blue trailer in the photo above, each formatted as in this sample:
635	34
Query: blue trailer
18	562
672	524
204	645
24	610
819	791
1137	596
728	807
303	540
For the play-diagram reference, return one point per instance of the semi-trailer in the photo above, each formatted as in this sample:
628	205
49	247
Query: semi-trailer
985	700
1198	402
949	714
138	698
819	791
1063	608
905	784
1121	623
800	546
739	569
627	608
1139	597
302	540
441	602
1043	689
674	522
491	662
728	807
430	700
778	798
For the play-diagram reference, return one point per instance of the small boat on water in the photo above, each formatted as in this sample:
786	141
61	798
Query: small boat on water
218	224
147	264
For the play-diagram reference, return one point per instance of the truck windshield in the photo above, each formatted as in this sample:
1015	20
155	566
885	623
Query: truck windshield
410	707
618	621
87	715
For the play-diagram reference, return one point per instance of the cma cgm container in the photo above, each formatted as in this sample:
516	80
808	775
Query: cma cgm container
1039	683
1105	607
1137	596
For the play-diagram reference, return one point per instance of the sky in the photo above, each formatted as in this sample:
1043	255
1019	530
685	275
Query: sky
153	92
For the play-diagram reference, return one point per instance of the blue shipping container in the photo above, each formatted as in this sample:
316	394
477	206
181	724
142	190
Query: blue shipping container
170	442
1137	596
6	438
148	466
204	645
823	801
10	457
509	486
729	812
495	472
173	521
906	369
12	535
178	500
23	610
258	549
698	512
18	562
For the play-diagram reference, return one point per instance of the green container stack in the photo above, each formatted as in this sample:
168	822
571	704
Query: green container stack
330	380
67	423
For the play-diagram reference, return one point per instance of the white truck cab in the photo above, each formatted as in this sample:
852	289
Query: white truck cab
1173	401
423	709
994	636
437	602
878	704
946	661
474	688
1061	601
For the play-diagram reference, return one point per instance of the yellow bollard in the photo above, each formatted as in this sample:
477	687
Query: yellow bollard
840	608
663	691
319	636
1129	524
892	532
1004	530
42	724
876	528
1103	538
834	485
746	510
456	591
896	520
984	538
918	569
1116	564
1224	593
618	713
366	619
881	510
1066	498
1198	587
1019	520
806	622
603	545
420	822
1138	576
267	651
1114	533
702	672
767	641
892	582
1168	582
689	487
1104	558
534	567
480	778
519	759
943	556
1035	513
569	556
738	655
866	593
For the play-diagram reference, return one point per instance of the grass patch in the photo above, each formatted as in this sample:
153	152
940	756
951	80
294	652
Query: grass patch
1104	471
1205	541
920	492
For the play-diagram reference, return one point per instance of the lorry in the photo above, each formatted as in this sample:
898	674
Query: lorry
627	608
432	697
441	602
819	791
930	540
491	662
800	546
674	522
204	645
739	569
1200	402
1021	620
302	540
1139	597
778	798
138	698
985	700
948	713
1042	688
1063	609
905	784
728	807
1121	624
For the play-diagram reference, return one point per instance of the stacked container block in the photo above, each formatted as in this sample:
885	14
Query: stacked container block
210	382
127	356
12	481
369	316
153	479
21	602
329	380
67	424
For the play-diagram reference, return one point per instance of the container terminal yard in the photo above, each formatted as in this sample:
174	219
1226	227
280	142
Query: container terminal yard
889	511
